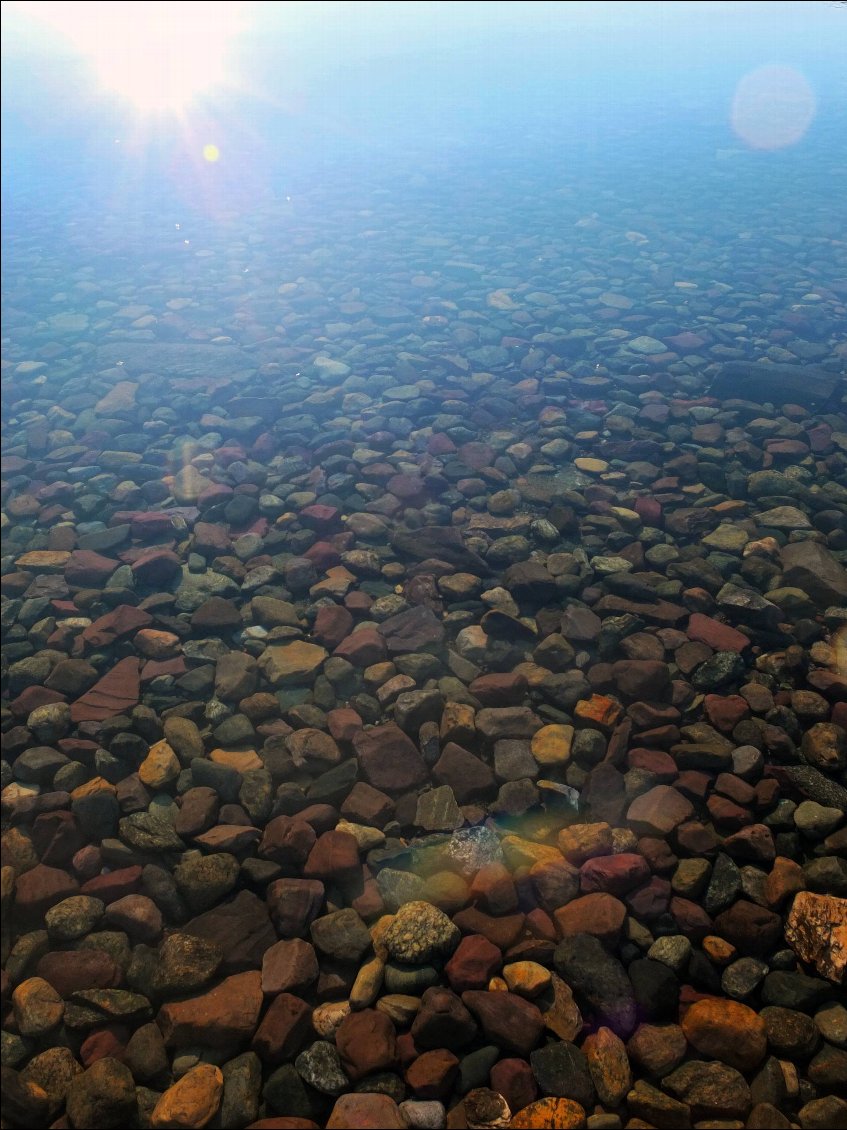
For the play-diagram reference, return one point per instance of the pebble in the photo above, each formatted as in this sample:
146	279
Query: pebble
444	727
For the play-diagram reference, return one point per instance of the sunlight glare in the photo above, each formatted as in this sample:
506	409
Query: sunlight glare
158	56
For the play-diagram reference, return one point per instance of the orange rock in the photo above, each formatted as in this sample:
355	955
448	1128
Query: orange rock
728	1031
786	878
549	1114
160	766
243	761
44	560
192	1102
718	950
599	710
157	645
527	978
95	785
551	745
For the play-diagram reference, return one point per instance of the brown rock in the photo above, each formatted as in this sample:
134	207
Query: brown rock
474	963
285	1028
366	1112
221	1018
432	1075
366	1042
507	1020
389	759
752	929
289	966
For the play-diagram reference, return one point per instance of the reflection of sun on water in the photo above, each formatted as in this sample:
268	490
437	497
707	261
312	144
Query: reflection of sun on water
157	56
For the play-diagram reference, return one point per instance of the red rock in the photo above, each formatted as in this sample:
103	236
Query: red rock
362	648
319	517
499	689
366	1042
109	1041
366	805
752	929
116	693
285	1028
720	637
473	964
121	621
616	874
56	838
654	761
242	928
433	1074
334	857
287	840
210	540
599	914
502	931
691	919
343	723
87	569
137	915
156	567
294	904
751	845
415	629
641	678
324	555
70	971
147	525
220	1018
366	1112
289	966
725	711
651	900
333	623
514	1080
32	697
727	815
658	812
389	759
467	775
507	1020
442	1021
39	889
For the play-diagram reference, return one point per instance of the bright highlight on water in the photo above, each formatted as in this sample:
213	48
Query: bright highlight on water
158	56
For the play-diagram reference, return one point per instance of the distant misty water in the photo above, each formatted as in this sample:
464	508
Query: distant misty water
385	90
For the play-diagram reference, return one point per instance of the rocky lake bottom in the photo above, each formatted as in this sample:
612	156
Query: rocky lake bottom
424	660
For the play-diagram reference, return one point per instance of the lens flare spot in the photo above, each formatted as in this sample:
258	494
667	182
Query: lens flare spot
773	107
211	153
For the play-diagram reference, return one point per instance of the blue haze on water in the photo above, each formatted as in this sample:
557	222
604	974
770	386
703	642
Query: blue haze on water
516	120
